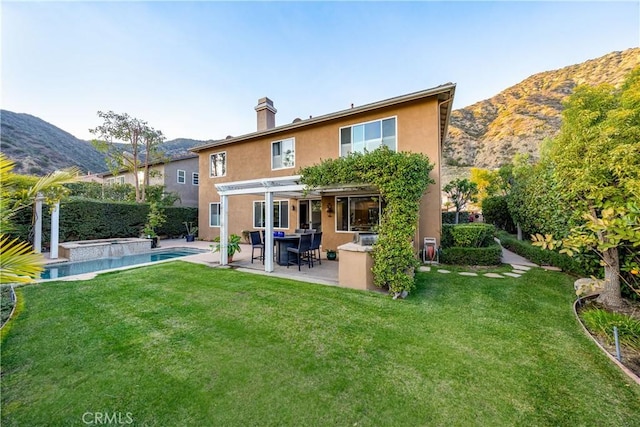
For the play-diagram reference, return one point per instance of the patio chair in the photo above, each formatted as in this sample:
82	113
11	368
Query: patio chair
316	241
256	243
301	252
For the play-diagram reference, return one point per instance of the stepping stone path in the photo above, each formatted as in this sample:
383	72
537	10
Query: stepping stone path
518	270
494	275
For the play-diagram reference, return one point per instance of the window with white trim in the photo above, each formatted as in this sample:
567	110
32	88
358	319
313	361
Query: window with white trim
116	180
195	178
218	164
368	136
214	214
358	213
280	214
182	176
283	154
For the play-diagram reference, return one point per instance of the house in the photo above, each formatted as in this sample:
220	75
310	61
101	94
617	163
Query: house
179	175
242	176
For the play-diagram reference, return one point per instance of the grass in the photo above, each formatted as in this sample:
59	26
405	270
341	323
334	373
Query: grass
182	344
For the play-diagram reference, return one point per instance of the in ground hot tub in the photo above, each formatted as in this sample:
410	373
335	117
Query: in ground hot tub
84	250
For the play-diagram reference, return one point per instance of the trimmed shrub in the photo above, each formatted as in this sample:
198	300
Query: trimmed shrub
490	255
496	211
474	235
450	217
87	219
446	238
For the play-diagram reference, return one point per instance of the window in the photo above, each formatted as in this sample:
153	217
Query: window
195	178
368	136
214	214
358	213
283	154
116	180
280	214
218	164
182	177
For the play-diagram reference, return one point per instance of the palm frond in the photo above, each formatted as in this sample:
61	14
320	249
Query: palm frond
55	179
18	262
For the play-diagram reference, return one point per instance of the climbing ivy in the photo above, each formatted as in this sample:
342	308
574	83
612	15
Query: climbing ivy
402	179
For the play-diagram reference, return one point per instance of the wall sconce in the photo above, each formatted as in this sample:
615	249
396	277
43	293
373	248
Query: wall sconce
330	210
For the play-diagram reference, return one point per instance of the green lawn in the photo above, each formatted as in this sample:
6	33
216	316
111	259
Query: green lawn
185	345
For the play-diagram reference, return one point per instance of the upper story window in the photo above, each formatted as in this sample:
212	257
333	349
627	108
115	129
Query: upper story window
195	178
283	154
218	164
368	136
182	177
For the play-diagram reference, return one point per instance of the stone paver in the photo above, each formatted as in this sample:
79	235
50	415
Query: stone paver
468	273
444	271
520	267
424	268
494	275
519	271
512	274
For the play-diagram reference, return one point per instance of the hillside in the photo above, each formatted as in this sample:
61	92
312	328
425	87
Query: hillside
489	133
39	147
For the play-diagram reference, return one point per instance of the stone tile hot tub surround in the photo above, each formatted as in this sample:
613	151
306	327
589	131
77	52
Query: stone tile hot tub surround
85	250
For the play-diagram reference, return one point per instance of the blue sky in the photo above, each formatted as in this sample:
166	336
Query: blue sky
197	69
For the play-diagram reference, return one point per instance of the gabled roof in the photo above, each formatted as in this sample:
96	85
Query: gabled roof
444	93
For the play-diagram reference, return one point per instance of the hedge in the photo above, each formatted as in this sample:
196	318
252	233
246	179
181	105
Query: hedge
490	255
495	210
467	235
450	217
584	267
87	219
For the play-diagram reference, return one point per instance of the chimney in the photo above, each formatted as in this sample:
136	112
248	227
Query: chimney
266	114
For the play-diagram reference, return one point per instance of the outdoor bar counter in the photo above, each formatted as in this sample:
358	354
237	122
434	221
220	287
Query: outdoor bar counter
354	267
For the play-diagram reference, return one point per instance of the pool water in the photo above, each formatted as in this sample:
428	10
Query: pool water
56	271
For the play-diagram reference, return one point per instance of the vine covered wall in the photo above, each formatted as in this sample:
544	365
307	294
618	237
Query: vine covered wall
401	179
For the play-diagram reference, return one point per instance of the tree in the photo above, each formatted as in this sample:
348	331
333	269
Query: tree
142	140
461	191
487	181
596	160
18	262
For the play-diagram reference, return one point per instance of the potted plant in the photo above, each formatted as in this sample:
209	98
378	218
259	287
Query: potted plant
233	246
191	231
331	254
155	218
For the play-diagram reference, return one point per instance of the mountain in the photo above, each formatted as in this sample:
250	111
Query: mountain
489	133
38	147
486	134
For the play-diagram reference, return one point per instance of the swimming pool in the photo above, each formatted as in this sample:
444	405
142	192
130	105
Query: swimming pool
56	271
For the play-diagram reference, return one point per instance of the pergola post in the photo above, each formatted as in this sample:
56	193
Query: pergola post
37	237
55	230
224	230
268	232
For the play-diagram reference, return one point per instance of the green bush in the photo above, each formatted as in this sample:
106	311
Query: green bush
496	211
601	322
474	235
446	238
450	217
490	255
85	219
585	266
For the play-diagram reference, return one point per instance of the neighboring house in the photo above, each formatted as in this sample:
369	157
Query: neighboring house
178	175
246	173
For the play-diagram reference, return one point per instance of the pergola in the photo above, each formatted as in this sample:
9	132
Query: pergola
285	186
288	186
